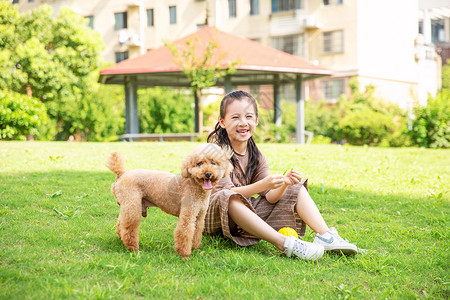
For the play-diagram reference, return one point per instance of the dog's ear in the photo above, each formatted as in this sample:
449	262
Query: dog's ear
228	168
185	167
228	151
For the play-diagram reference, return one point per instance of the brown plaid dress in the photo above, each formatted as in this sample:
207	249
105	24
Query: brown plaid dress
278	215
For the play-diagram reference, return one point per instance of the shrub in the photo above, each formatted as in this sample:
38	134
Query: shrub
431	127
20	115
164	110
364	126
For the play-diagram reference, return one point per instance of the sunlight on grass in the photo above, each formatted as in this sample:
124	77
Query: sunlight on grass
57	227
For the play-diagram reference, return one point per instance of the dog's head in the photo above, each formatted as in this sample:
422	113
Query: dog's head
207	164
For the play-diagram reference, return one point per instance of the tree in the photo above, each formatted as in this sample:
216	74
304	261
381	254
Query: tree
20	115
49	58
202	70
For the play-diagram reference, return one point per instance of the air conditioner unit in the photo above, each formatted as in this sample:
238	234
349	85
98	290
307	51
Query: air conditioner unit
311	22
135	3
134	40
123	36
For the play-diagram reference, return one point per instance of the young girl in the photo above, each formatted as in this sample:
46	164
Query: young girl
283	200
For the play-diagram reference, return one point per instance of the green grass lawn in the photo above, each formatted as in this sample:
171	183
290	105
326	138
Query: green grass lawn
57	227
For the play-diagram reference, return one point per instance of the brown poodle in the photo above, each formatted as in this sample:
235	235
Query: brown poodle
185	196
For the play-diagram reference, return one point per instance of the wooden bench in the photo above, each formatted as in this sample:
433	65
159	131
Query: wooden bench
130	137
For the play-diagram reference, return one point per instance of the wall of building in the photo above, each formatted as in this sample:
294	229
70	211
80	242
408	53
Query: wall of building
379	36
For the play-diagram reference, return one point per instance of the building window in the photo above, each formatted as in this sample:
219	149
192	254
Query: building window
333	2
30	0
437	30
285	5
333	41
121	56
173	14
15	2
120	20
254	7
232	9
90	23
150	20
333	89
292	44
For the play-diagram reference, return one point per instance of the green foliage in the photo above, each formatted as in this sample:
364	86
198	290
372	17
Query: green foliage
364	127
359	119
164	110
20	115
268	132
322	118
446	76
52	59
202	70
431	127
98	116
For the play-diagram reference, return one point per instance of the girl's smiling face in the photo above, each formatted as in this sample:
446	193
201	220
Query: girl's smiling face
240	121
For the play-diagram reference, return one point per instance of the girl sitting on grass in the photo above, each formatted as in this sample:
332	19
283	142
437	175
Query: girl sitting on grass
283	201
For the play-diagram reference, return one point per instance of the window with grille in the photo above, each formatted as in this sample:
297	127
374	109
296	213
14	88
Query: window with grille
121	56
173	14
292	44
285	5
90	23
332	2
232	13
333	89
120	20
150	20
333	41
254	7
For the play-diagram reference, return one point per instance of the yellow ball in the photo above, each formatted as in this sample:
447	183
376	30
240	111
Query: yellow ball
288	231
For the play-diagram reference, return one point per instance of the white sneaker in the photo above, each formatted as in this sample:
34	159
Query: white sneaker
331	241
304	250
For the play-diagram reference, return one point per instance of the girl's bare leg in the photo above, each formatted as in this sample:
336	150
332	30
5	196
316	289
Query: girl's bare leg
245	218
308	212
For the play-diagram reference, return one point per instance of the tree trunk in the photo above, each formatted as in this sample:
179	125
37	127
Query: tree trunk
29	91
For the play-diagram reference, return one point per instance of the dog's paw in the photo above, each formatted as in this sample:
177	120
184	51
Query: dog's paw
196	246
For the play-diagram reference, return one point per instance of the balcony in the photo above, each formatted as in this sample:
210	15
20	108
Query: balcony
292	22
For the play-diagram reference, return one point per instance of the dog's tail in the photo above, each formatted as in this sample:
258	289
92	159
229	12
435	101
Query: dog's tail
116	163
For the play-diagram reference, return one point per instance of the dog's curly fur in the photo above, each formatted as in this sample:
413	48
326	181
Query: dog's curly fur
185	196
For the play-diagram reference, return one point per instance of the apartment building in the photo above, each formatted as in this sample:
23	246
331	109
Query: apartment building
378	41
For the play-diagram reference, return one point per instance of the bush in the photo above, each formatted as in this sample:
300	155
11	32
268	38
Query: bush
164	110
364	126
359	119
94	116
20	115
431	127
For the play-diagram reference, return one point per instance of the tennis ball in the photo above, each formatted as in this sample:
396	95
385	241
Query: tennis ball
288	231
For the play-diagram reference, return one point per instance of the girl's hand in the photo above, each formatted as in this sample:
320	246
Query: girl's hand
292	177
272	182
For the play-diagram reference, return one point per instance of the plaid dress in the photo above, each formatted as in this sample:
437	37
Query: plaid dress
278	215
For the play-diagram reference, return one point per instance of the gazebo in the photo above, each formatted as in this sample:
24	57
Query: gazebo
259	65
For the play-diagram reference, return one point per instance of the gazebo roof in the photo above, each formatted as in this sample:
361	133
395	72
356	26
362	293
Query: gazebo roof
258	63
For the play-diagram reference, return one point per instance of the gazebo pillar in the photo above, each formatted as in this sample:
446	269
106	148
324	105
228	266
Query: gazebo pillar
228	86
300	128
276	100
131	111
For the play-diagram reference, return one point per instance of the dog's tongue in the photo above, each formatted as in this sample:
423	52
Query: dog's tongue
207	184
